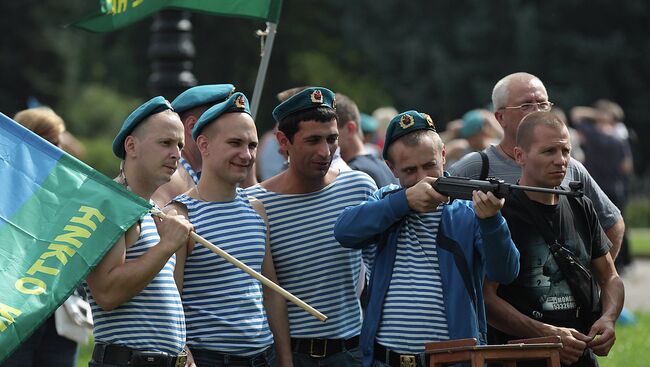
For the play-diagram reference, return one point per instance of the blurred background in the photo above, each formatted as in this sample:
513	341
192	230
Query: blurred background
438	57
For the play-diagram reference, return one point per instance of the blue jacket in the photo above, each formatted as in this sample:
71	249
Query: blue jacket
485	244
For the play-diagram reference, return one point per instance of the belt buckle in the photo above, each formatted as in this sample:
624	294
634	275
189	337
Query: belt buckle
407	360
181	359
311	349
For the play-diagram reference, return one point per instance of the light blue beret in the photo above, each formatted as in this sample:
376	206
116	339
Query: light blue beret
152	106
369	124
235	103
406	123
308	98
201	95
472	123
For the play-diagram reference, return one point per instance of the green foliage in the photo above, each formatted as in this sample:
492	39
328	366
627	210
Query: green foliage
97	111
632	348
440	57
639	241
99	155
637	212
316	68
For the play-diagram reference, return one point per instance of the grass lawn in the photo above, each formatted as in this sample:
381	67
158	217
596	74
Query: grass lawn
632	348
639	241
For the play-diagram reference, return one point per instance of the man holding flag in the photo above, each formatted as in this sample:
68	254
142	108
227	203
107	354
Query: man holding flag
136	305
231	320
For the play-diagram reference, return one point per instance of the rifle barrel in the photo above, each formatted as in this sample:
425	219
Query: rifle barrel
575	193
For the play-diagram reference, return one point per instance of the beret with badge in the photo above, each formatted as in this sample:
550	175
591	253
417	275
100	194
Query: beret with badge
235	103
404	124
202	95
151	107
308	98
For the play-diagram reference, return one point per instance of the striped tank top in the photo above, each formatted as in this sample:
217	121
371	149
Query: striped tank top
224	307
153	320
309	262
190	171
414	309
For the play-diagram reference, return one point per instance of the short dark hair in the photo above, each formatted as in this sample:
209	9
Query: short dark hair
527	126
346	110
291	124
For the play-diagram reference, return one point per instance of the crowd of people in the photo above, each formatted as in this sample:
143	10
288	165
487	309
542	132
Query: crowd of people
346	219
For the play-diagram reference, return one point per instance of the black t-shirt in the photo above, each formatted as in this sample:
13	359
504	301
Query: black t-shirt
540	290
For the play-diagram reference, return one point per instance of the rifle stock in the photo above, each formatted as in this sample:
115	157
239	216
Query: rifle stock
462	187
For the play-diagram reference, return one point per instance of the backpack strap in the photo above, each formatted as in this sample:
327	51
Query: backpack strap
485	165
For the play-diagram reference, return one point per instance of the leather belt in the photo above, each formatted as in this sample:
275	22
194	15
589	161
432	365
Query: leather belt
124	356
226	358
394	359
321	348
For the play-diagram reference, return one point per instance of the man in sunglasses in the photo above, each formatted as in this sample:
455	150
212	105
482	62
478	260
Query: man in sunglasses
514	97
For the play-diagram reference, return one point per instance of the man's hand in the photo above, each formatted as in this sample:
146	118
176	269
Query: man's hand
423	198
573	344
174	230
486	205
602	336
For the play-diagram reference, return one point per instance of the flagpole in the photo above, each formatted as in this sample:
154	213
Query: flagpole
264	280
264	64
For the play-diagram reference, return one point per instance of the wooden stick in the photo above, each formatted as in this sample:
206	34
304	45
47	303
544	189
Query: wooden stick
264	280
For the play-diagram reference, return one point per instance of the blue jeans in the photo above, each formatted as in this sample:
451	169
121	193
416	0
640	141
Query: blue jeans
207	358
346	358
44	348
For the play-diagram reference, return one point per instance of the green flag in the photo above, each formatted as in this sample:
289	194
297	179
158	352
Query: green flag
115	14
58	217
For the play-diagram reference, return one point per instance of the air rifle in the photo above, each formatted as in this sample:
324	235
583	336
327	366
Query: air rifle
461	187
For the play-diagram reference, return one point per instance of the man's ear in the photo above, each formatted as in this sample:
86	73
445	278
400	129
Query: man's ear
520	157
129	145
190	122
202	143
352	127
283	140
498	114
443	154
392	167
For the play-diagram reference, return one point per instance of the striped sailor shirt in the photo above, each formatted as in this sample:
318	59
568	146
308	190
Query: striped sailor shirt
224	307
414	310
153	320
309	262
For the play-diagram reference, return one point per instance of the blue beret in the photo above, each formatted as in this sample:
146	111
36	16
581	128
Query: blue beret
236	103
202	94
406	123
369	124
152	106
472	123
304	100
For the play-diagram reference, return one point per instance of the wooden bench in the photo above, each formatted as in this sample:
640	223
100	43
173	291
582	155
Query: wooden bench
466	350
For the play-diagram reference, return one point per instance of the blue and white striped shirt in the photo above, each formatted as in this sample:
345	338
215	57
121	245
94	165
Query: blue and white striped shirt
153	320
190	171
414	310
223	305
309	262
